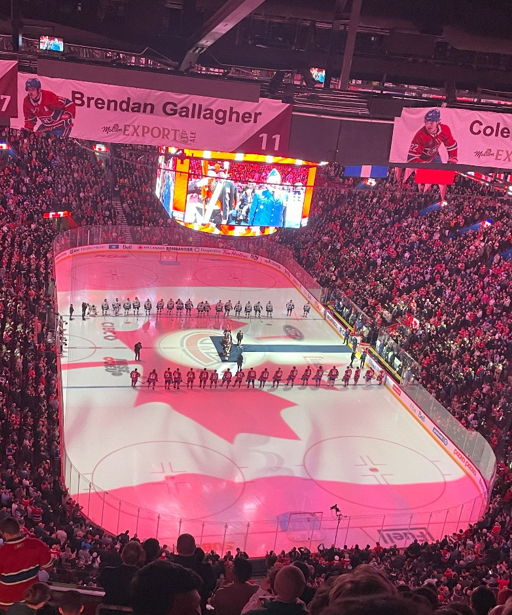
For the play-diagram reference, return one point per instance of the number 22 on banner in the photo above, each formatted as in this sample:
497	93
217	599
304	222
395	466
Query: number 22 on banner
264	139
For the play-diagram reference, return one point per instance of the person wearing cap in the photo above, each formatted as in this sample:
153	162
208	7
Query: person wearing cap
288	587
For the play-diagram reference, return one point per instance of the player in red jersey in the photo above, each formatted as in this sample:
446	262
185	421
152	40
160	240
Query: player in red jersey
176	376
239	376
203	377
226	378
380	376
214	378
278	374
306	376
55	113
152	378
263	378
318	376
290	381
357	375
134	375
346	376
167	379
427	141
368	377
191	375
331	377
251	377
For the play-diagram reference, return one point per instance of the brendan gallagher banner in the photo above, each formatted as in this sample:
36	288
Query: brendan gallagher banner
117	114
8	88
441	135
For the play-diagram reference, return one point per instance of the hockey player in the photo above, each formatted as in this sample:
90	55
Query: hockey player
257	310
357	375
226	378
134	375
290	381
290	306
191	375
206	309
239	376
318	376
368	377
203	378
238	309
278	374
263	378
219	307
228	306
167	379
179	308
188	307
116	306
136	306
55	113
331	377
147	307
92	310
176	377
200	309
269	309
380	377
127	306
104	307
305	310
251	377
427	141
152	379
346	377
170	307
248	309
306	376
214	378
160	307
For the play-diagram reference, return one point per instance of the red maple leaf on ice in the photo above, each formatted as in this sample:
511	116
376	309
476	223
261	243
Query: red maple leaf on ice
225	413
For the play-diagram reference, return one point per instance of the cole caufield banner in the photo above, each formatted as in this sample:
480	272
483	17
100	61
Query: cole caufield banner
116	114
452	136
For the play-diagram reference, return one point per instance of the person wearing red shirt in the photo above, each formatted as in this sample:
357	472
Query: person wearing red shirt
226	378
278	374
263	378
152	378
21	559
203	377
214	378
239	376
346	376
168	379
176	376
55	113
290	381
251	377
331	378
318	376
306	376
190	378
427	141
134	375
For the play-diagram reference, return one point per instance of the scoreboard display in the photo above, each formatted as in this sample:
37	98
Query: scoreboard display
235	194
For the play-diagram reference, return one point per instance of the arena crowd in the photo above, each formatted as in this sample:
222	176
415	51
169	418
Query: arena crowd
376	246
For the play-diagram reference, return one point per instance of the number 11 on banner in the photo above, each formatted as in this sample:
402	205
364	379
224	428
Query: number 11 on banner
264	140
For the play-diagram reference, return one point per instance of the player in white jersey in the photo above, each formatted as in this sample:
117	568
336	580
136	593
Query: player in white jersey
269	308
228	306
116	306
248	309
238	309
170	307
257	310
147	307
136	306
290	306
160	306
305	310
92	310
104	307
127	306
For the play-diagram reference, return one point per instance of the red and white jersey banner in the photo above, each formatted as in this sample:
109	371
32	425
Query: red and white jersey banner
8	88
440	135
116	114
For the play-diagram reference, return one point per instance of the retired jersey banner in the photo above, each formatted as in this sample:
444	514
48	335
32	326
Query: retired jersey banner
116	114
8	88
457	136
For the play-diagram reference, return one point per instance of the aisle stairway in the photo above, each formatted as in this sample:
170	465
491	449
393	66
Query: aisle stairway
121	219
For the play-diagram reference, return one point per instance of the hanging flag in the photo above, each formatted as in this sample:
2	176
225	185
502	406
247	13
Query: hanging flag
433	176
366	170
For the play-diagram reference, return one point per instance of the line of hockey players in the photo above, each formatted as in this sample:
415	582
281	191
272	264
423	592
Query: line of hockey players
228	378
203	308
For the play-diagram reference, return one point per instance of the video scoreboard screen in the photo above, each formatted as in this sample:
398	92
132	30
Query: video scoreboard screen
235	194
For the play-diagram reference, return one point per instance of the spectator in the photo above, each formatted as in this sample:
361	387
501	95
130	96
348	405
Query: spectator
231	599
34	598
482	600
289	585
71	603
191	557
116	581
21	559
162	588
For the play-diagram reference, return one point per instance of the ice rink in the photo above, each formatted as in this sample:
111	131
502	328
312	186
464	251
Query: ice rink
258	469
